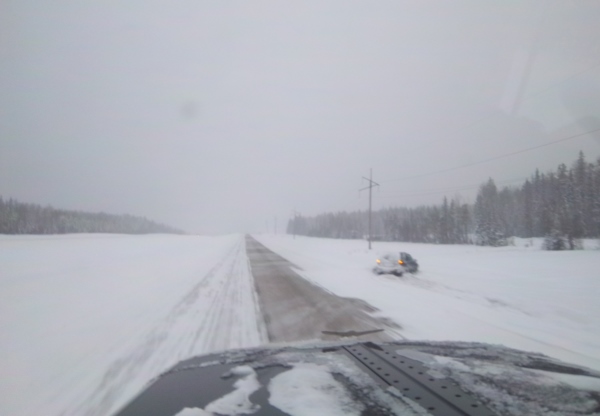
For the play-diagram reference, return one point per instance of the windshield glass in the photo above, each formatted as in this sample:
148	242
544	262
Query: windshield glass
189	177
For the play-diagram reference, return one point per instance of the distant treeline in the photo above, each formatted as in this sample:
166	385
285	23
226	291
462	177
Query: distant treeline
562	206
23	218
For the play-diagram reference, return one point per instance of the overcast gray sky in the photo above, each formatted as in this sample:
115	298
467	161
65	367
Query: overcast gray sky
217	116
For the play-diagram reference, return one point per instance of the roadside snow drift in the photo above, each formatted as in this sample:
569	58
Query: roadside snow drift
517	296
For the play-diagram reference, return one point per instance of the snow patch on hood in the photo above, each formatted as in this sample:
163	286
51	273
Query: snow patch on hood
516	383
451	364
416	355
238	401
193	411
309	389
579	382
235	403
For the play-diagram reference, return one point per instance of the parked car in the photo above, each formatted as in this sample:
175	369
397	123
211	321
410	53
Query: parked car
396	264
410	264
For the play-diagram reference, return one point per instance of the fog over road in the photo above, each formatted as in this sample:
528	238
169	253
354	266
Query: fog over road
295	309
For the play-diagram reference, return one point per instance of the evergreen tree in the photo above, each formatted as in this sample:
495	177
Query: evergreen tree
486	216
562	206
22	218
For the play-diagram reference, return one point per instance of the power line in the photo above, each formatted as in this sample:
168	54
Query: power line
494	114
484	118
491	159
444	190
459	187
551	86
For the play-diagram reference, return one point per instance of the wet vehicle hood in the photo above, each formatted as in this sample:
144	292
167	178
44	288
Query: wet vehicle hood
397	378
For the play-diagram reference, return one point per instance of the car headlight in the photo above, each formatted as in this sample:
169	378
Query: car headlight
400	262
378	261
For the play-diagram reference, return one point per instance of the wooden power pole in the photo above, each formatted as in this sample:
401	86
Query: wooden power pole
372	184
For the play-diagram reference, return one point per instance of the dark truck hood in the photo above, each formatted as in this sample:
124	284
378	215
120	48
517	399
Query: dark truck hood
399	378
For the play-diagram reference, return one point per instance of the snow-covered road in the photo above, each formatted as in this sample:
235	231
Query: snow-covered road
86	321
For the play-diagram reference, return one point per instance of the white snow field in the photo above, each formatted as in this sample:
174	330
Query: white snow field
87	320
517	296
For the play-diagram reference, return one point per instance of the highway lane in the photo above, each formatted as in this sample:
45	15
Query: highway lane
294	309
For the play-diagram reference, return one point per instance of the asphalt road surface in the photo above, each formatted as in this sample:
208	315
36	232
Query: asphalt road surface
294	309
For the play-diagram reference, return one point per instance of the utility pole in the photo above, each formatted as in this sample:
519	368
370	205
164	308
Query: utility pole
295	213
372	184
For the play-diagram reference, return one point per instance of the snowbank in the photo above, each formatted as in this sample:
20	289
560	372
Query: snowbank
521	297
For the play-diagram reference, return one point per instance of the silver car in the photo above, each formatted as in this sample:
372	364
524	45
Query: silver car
396	264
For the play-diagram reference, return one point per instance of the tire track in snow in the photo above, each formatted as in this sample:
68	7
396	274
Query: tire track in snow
227	324
422	283
219	312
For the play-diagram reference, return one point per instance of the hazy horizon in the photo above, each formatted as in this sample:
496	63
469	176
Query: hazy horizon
218	117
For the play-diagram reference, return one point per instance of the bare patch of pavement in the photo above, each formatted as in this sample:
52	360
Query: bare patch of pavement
294	309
